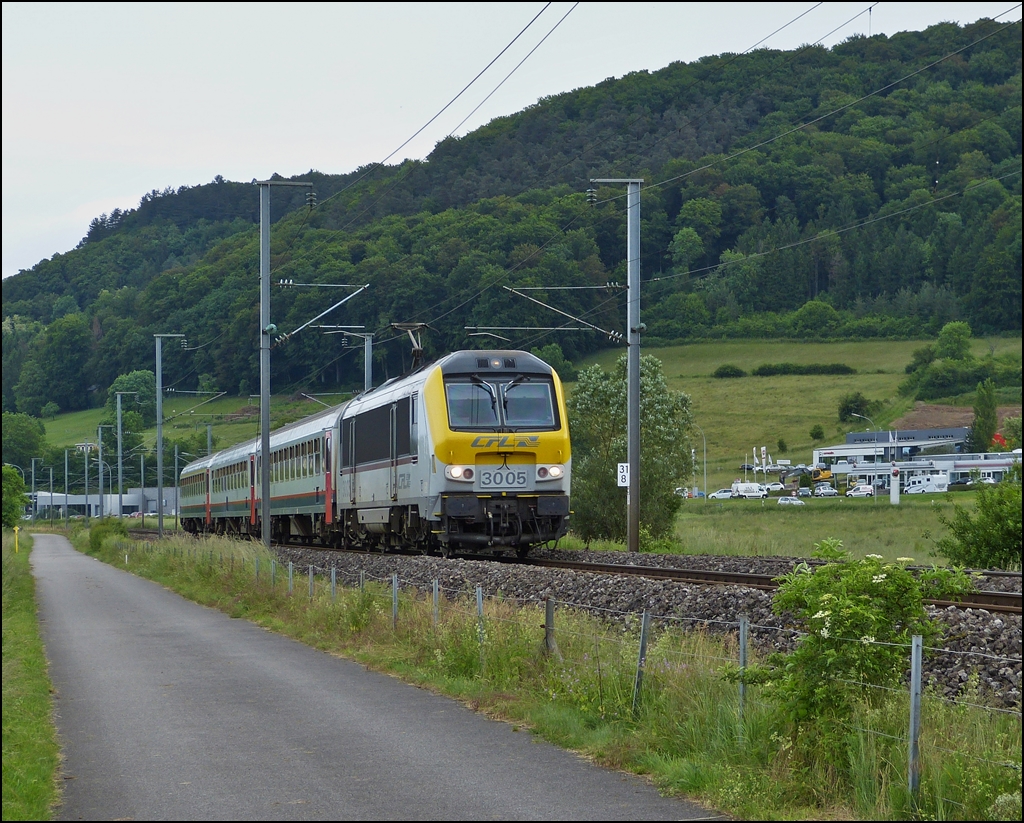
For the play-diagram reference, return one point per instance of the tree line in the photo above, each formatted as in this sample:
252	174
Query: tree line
806	194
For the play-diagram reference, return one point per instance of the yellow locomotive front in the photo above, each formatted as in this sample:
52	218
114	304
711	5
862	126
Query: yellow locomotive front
501	461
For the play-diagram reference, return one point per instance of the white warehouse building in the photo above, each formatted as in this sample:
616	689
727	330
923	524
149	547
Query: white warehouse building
870	457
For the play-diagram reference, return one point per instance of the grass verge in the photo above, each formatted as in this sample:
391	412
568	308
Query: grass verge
30	749
685	732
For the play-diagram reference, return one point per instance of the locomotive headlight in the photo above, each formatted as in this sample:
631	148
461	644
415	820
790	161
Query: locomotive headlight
463	473
550	472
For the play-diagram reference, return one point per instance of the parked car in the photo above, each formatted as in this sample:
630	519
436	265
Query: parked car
825	491
776	486
987	481
746	467
791	501
721	494
804	491
750	491
861	491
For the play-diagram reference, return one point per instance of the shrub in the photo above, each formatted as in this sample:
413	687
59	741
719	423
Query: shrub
772	369
859	616
991	537
100	531
817	432
729	370
853	404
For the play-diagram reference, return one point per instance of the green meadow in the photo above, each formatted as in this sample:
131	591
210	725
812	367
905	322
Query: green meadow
740	414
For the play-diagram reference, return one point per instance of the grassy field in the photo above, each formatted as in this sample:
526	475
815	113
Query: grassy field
865	525
739	414
233	420
30	750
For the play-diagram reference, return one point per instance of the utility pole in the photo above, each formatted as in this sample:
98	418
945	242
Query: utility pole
267	331
99	439
160	433
85	447
177	499
34	507
120	475
634	328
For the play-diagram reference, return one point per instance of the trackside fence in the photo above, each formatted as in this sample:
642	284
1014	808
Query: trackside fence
625	664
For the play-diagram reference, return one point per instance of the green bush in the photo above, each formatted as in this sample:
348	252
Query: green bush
991	537
98	532
859	616
773	369
852	405
729	370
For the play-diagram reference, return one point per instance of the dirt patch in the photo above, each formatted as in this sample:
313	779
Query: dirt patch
243	413
931	416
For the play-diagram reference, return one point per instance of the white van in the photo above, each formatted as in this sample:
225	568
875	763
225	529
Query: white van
927	484
749	490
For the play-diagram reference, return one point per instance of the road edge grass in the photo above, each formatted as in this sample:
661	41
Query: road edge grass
31	750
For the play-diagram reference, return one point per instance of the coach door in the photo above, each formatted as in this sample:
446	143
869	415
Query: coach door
393	472
349	435
207	478
252	489
328	478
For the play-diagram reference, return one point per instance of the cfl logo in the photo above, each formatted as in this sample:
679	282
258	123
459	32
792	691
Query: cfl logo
508	441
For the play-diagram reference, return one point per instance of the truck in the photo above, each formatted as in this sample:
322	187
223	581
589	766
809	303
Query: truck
749	490
927	483
819	473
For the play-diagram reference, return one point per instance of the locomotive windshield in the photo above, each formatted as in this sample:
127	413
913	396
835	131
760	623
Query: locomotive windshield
519	403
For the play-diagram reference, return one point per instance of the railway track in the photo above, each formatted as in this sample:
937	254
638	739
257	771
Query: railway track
993	601
1005	602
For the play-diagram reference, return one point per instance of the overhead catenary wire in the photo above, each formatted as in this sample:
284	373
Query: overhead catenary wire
580	155
373	167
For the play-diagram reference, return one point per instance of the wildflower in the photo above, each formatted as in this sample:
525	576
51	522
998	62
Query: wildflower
866	639
824	632
822	613
874	556
904	559
878	578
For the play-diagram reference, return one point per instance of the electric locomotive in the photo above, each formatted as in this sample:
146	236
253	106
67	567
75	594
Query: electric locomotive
470	453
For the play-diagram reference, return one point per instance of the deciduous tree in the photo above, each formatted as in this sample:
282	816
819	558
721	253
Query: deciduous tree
597	417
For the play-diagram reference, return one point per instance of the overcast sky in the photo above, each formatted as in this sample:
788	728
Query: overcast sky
105	102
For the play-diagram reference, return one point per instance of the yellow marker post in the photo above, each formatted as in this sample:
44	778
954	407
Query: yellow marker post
16	530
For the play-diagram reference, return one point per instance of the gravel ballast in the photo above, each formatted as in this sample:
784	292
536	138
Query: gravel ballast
975	643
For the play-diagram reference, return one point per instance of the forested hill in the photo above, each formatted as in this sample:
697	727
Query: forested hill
871	189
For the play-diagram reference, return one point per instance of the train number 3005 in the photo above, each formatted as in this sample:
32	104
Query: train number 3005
503	478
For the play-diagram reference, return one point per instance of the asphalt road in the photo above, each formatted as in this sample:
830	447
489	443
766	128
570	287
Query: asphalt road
172	711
